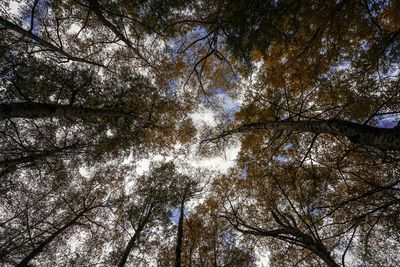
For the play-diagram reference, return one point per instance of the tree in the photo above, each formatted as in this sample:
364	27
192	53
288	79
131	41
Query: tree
153	197
383	138
316	211
188	188
39	215
92	89
78	112
318	85
210	241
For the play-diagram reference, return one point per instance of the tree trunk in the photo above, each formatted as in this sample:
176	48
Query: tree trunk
43	110
179	239
37	156
132	242
326	257
388	139
47	241
291	234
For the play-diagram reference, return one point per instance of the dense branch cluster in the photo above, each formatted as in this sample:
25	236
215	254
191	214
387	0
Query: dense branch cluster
93	90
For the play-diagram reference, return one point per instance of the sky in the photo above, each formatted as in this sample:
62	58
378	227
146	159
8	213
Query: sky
206	116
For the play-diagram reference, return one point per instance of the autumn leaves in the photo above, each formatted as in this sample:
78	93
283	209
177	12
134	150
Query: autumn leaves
317	174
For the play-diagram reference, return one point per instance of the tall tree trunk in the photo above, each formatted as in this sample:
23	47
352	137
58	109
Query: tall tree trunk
288	233
325	256
37	156
179	239
357	133
131	244
190	255
48	240
42	110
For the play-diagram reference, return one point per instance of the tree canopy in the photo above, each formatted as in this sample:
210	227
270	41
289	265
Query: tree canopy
109	109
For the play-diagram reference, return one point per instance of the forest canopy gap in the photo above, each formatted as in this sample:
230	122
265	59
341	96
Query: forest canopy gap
199	133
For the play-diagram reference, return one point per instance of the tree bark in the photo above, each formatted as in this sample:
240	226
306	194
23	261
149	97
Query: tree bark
179	239
325	256
30	110
132	242
48	240
292	234
383	138
37	156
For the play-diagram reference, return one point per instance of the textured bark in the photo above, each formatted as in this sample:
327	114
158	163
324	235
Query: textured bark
388	139
30	110
179	239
